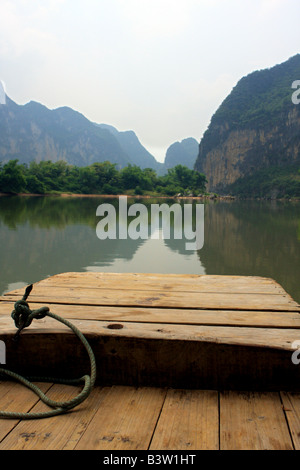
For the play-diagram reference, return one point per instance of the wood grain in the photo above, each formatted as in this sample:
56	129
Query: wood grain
249	318
59	432
253	421
130	418
178	282
232	330
169	291
189	421
125	420
158	298
291	408
14	397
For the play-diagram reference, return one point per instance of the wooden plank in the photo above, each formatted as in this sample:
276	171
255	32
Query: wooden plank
189	421
168	356
17	398
60	432
124	336
177	282
152	290
291	407
253	421
275	338
158	298
125	420
249	318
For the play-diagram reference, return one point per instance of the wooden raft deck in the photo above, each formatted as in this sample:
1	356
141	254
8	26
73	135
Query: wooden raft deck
183	362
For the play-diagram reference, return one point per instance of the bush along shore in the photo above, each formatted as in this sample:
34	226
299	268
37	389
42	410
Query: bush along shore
104	179
47	177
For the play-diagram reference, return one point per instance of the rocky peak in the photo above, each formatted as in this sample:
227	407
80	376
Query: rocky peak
257	126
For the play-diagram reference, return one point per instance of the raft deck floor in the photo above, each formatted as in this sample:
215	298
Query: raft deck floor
185	362
146	418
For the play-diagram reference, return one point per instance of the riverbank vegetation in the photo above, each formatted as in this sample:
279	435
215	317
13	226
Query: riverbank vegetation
99	178
271	183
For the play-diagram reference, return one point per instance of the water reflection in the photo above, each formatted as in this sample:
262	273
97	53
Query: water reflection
42	236
153	256
254	238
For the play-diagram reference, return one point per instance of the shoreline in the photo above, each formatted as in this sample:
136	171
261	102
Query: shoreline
211	197
109	196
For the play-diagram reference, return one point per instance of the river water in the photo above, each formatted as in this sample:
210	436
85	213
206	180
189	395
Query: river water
43	236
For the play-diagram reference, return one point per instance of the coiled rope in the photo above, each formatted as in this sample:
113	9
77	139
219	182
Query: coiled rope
23	316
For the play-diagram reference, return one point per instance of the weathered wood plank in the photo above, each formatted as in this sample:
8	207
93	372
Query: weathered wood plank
125	420
142	354
58	433
249	318
153	323
276	338
185	331
17	398
169	291
158	298
291	407
189	421
253	421
177	282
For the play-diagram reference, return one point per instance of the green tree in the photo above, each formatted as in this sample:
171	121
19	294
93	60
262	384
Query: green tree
87	180
131	177
12	179
150	179
34	185
98	178
181	178
106	177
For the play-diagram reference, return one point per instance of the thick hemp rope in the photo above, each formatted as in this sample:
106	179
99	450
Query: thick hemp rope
23	316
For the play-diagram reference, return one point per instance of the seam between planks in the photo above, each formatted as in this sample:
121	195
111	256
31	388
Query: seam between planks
158	417
163	307
196	292
287	421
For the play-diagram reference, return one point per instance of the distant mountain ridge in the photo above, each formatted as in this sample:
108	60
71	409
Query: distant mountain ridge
130	143
34	132
256	130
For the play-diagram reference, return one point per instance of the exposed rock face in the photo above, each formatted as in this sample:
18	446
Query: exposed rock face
256	127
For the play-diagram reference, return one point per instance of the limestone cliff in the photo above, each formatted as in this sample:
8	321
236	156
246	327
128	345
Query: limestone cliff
257	127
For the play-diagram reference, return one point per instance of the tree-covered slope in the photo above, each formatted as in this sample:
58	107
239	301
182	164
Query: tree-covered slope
256	128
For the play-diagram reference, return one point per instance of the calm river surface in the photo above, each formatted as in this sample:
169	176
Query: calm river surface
43	236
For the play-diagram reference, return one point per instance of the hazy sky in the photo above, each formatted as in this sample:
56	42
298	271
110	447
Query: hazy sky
158	67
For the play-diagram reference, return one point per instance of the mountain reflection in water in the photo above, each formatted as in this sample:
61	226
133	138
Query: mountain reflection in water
43	236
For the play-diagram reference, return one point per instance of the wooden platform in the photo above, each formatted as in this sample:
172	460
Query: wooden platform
153	419
213	353
181	331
